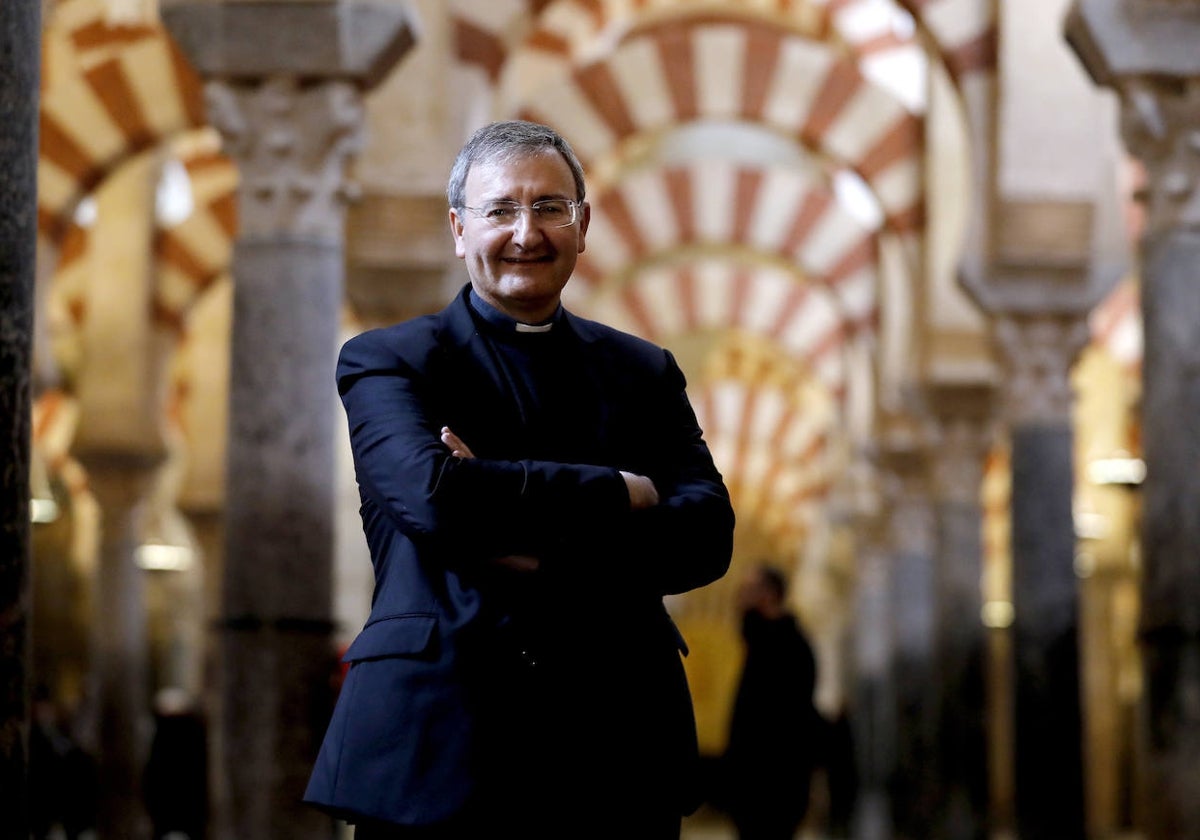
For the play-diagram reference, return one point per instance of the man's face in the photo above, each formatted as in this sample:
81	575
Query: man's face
520	270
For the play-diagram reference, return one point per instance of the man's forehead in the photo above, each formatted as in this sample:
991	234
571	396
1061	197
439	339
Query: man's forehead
500	164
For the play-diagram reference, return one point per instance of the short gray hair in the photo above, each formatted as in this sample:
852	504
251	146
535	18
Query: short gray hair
503	141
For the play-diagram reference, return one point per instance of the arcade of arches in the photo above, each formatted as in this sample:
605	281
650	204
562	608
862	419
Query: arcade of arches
908	252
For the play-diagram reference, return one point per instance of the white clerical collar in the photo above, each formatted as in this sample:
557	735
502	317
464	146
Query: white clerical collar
503	322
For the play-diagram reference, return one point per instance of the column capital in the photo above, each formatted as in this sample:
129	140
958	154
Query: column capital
1037	352
292	144
249	42
964	418
1042	260
1160	124
284	85
1131	38
904	480
1146	50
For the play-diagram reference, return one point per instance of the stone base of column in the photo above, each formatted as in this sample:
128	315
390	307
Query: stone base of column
277	696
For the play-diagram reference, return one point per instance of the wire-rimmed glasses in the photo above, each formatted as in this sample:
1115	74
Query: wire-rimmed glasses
550	212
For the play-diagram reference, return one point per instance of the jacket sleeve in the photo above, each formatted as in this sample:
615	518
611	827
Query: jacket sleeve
464	509
686	541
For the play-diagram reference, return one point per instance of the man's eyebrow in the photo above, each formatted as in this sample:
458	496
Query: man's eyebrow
543	197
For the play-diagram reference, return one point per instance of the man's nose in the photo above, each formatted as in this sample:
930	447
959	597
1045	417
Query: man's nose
525	227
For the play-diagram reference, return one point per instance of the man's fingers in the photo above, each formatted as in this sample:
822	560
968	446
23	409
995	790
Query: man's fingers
642	492
457	448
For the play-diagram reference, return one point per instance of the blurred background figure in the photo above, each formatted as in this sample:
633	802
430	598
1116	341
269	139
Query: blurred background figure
62	775
775	731
176	778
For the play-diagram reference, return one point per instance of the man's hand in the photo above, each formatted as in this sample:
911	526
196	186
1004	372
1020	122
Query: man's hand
642	492
520	563
457	448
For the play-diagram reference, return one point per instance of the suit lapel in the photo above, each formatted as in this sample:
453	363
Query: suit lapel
481	407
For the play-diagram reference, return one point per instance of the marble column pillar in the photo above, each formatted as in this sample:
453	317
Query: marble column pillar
121	483
1037	353
1148	52
285	87
1040	284
962	415
121	442
914	785
873	707
20	39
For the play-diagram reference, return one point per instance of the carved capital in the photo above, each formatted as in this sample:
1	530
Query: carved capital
958	460
909	512
964	428
1160	123
292	144
1037	353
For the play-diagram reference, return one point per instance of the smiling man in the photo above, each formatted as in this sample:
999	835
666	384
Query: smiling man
532	485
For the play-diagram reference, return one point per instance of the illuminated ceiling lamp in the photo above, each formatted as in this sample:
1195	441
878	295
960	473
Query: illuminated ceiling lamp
1122	469
166	543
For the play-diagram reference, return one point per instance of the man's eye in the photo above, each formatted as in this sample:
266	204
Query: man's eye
498	211
551	209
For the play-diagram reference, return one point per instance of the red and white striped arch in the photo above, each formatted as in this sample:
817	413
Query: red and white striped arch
193	254
670	300
772	449
189	257
110	92
488	33
779	212
662	78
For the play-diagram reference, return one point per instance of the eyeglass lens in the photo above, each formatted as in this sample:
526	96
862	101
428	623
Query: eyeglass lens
552	212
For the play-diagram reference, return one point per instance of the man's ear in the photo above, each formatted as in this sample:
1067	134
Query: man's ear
586	209
456	230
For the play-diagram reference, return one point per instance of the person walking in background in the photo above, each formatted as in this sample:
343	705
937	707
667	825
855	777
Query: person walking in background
532	484
774	729
175	782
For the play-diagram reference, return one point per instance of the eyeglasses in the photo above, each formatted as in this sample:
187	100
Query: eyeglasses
552	212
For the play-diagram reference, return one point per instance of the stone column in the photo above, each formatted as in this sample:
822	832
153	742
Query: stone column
121	482
1041	284
962	415
121	443
1148	52
285	87
874	701
20	61
1037	352
914	785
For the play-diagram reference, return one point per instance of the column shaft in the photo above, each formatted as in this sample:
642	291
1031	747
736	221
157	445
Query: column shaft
961	641
1171	535
1049	763
277	595
914	784
20	40
1147	53
121	484
874	717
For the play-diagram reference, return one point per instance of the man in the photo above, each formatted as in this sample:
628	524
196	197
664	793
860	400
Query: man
532	484
774	729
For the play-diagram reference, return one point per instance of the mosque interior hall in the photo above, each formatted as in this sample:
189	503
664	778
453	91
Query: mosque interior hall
931	269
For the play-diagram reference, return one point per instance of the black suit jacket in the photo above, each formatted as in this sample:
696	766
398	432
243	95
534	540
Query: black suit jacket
449	632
